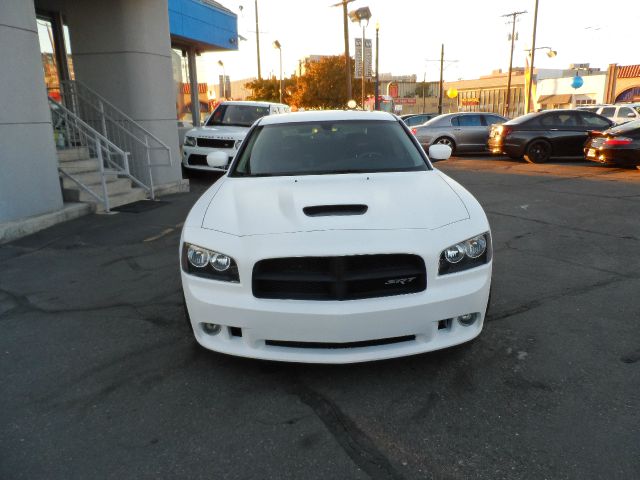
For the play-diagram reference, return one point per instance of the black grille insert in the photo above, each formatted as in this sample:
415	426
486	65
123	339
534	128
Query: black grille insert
339	278
365	343
215	143
197	159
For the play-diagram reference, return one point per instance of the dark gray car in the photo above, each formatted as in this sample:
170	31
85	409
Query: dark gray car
464	132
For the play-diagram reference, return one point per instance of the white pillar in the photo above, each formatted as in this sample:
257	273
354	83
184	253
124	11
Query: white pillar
29	182
122	50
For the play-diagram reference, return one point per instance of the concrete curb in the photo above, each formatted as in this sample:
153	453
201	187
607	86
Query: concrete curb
181	186
10	231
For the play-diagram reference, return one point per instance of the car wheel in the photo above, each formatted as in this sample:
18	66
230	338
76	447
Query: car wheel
538	151
448	142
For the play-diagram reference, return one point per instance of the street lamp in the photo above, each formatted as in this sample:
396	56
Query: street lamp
276	44
550	53
362	16
224	81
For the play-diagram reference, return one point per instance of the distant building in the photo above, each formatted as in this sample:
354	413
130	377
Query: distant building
623	84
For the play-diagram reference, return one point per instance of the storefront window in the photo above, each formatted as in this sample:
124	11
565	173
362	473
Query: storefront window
50	65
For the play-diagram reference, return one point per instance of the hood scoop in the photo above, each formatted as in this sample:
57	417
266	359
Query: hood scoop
335	210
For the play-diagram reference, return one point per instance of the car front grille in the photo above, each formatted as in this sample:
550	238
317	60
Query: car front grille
215	143
339	278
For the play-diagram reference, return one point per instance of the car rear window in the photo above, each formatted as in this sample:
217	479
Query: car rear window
625	128
328	147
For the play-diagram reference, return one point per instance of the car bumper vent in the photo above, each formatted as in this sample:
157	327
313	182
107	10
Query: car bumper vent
324	345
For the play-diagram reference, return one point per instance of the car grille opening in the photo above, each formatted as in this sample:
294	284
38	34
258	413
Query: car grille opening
339	278
215	143
235	331
325	345
197	159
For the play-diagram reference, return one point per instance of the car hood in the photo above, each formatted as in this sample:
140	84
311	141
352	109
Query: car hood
219	131
273	205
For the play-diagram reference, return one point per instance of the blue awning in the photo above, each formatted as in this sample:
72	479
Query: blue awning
203	23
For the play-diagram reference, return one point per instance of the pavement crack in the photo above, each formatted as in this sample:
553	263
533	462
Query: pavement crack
565	227
356	444
549	298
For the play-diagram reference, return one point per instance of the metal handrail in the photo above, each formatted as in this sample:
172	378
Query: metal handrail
77	132
119	128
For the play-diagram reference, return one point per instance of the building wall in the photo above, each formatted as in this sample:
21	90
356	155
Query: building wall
594	87
29	183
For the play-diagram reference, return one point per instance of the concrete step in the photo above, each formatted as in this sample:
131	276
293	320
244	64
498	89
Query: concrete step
79	166
90	178
73	153
116	187
133	195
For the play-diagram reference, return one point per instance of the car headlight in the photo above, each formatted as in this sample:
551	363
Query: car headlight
464	255
206	263
190	141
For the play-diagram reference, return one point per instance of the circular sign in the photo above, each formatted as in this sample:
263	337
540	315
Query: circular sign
452	93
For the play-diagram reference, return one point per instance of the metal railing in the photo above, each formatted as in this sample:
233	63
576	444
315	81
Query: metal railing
71	131
147	151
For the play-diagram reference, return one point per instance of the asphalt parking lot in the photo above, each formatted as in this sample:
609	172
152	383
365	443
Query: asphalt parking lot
100	377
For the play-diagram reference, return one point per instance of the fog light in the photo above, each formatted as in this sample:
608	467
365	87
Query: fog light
468	319
211	328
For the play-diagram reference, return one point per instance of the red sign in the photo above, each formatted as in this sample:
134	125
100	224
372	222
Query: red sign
392	89
405	101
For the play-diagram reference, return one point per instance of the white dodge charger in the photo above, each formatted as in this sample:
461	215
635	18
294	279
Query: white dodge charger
332	239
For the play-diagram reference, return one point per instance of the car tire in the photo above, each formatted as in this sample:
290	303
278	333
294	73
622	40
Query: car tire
538	151
446	141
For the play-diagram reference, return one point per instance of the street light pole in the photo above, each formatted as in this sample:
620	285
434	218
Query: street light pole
362	15
513	16
377	101
533	54
276	44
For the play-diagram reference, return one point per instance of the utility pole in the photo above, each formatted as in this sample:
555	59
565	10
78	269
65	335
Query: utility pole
533	53
258	41
347	57
441	79
513	16
377	92
424	98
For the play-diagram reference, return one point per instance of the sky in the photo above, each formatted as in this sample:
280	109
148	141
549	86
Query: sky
411	32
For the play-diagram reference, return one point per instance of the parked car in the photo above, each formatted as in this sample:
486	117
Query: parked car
618	146
464	132
223	131
413	119
539	136
362	254
620	114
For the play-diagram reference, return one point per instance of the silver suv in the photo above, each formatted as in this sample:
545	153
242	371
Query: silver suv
621	113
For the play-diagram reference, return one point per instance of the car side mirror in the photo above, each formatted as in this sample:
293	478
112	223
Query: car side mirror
631	115
439	152
217	159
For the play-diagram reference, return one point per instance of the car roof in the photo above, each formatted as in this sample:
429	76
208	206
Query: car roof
250	103
326	115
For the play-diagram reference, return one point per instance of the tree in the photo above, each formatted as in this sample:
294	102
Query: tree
324	85
268	89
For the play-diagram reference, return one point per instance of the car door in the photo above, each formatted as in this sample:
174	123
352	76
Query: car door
470	132
564	132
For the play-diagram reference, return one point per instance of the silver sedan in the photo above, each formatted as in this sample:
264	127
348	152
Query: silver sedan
464	132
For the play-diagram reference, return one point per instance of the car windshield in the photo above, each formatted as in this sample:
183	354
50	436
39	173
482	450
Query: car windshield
328	147
237	115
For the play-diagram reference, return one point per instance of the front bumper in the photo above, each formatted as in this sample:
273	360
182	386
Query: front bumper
196	157
325	331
